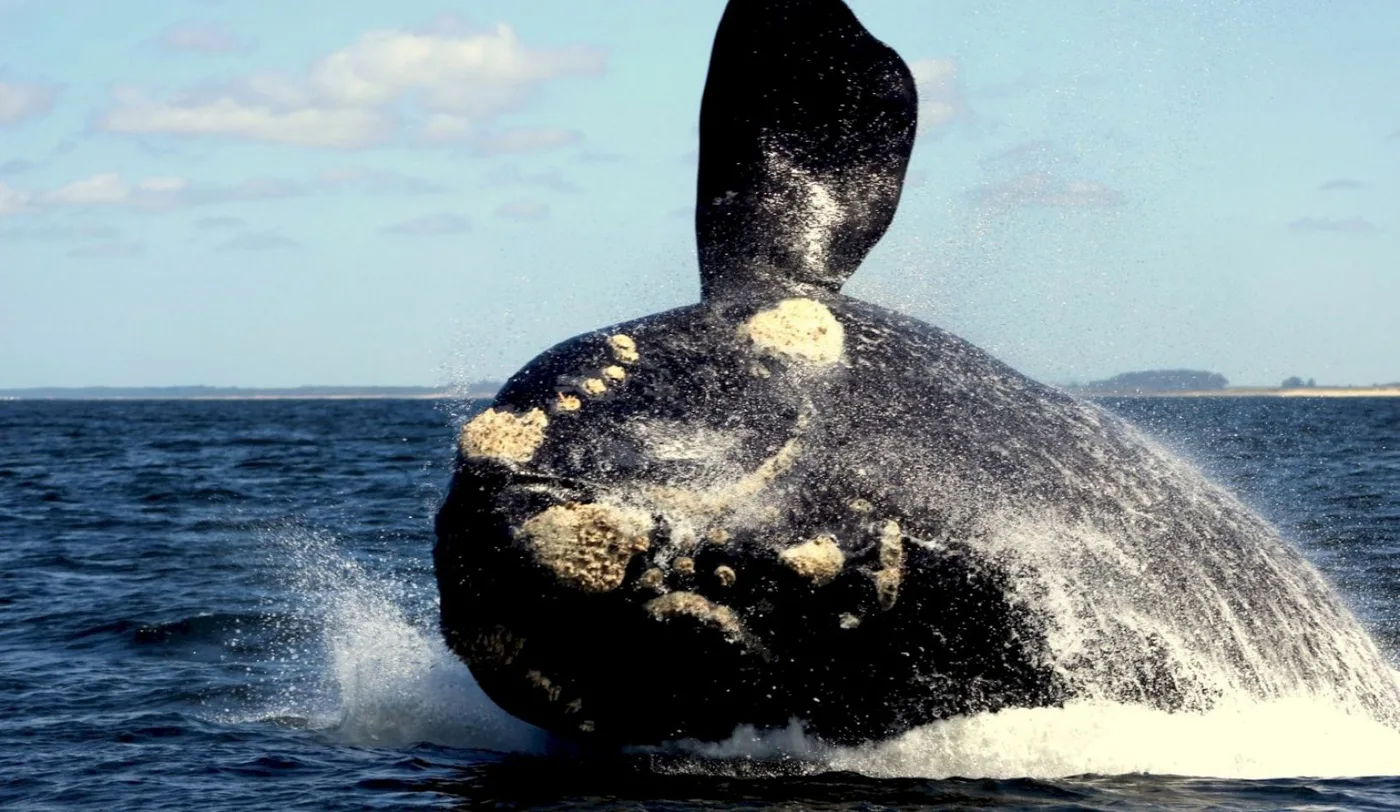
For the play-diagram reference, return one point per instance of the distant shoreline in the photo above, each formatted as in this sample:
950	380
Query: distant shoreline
164	393
1252	392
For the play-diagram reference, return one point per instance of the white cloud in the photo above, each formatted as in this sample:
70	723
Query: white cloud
227	116
1041	155
522	210
163	185
431	225
376	181
219	222
164	192
21	101
16	166
202	38
941	100
109	250
1043	189
441	128
1342	185
510	175
447	83
525	139
13	201
69	233
257	241
107	188
1345	225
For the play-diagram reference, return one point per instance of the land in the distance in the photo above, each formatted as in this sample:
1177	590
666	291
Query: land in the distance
1195	383
480	389
1387	391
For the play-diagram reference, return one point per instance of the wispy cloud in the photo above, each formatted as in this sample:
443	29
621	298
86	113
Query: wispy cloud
1005	90
597	156
551	179
202	38
377	182
1041	189
1341	185
72	233
431	225
443	84
16	166
525	139
941	100
256	241
13	201
220	223
164	193
1344	225
1040	155
109	250
522	210
19	101
105	189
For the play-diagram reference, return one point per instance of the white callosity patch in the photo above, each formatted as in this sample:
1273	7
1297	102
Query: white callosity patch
819	559
588	546
624	349
504	435
799	330
891	573
498	646
695	607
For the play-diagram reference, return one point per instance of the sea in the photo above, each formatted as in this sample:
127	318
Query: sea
222	604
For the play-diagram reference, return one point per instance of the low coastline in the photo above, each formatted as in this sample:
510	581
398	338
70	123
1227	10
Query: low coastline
245	394
1250	392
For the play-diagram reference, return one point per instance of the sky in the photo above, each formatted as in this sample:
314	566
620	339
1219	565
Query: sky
257	193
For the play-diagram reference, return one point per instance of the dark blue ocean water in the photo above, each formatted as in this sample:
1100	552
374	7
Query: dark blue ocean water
230	605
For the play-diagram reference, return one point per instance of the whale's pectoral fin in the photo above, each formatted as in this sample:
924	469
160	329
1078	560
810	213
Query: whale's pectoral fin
805	133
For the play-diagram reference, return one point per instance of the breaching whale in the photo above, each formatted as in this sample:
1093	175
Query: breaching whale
784	503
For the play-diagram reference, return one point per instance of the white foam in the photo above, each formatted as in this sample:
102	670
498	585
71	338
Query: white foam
1245	740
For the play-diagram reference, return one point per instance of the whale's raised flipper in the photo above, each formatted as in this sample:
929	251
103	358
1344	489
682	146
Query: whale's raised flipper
805	132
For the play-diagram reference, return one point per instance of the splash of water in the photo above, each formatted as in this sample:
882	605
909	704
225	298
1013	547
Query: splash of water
380	674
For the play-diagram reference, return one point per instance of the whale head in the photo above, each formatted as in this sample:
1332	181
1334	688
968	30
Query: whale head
639	504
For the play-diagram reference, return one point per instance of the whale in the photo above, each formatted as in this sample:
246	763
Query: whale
783	504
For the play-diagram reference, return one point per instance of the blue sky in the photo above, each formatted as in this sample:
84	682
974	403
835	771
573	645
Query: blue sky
264	194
